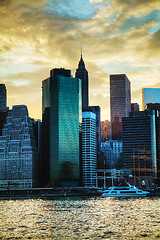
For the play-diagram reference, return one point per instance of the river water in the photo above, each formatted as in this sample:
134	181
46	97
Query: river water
80	218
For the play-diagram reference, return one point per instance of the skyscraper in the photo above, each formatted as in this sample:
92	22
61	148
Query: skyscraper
89	149
18	151
82	73
3	94
62	117
120	96
141	135
97	111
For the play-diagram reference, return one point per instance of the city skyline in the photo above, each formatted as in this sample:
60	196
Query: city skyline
116	37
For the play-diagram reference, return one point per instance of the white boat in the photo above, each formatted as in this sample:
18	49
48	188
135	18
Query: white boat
124	191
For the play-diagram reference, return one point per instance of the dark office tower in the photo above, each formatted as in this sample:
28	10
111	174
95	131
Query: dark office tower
82	73
116	129
140	145
134	107
120	96
3	96
3	109
62	117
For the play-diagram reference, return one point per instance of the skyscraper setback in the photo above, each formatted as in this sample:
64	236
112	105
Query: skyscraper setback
82	73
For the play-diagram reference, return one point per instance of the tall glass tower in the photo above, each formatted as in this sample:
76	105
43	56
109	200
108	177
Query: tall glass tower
62	117
82	73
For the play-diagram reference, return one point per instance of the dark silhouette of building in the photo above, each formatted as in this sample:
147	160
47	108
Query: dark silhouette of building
3	116
153	106
134	107
60	72
3	96
82	73
116	129
3	108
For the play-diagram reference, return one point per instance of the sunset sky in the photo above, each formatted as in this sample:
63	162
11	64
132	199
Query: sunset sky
118	36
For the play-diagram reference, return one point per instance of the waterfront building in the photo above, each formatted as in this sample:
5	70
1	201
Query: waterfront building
112	150
134	107
61	122
82	73
120	96
89	149
3	96
150	95
109	177
141	145
18	152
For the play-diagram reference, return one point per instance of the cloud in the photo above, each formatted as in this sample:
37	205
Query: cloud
118	36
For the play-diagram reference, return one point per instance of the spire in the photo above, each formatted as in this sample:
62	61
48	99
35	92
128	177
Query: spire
81	62
81	49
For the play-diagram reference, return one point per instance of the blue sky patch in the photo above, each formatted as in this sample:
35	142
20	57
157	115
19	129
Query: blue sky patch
71	9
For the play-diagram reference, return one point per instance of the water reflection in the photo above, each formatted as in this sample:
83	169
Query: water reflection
80	218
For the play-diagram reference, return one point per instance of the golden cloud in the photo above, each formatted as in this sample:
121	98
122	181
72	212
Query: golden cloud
33	41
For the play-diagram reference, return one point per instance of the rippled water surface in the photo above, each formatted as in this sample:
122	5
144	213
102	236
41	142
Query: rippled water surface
80	218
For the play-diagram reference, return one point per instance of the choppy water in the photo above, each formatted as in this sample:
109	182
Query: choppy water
80	218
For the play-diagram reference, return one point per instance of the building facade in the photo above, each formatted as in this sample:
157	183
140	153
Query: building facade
141	145
3	96
120	97
61	121
112	150
18	152
89	149
150	95
82	73
116	129
97	111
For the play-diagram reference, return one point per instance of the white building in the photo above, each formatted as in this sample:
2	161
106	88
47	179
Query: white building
112	150
18	152
89	149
